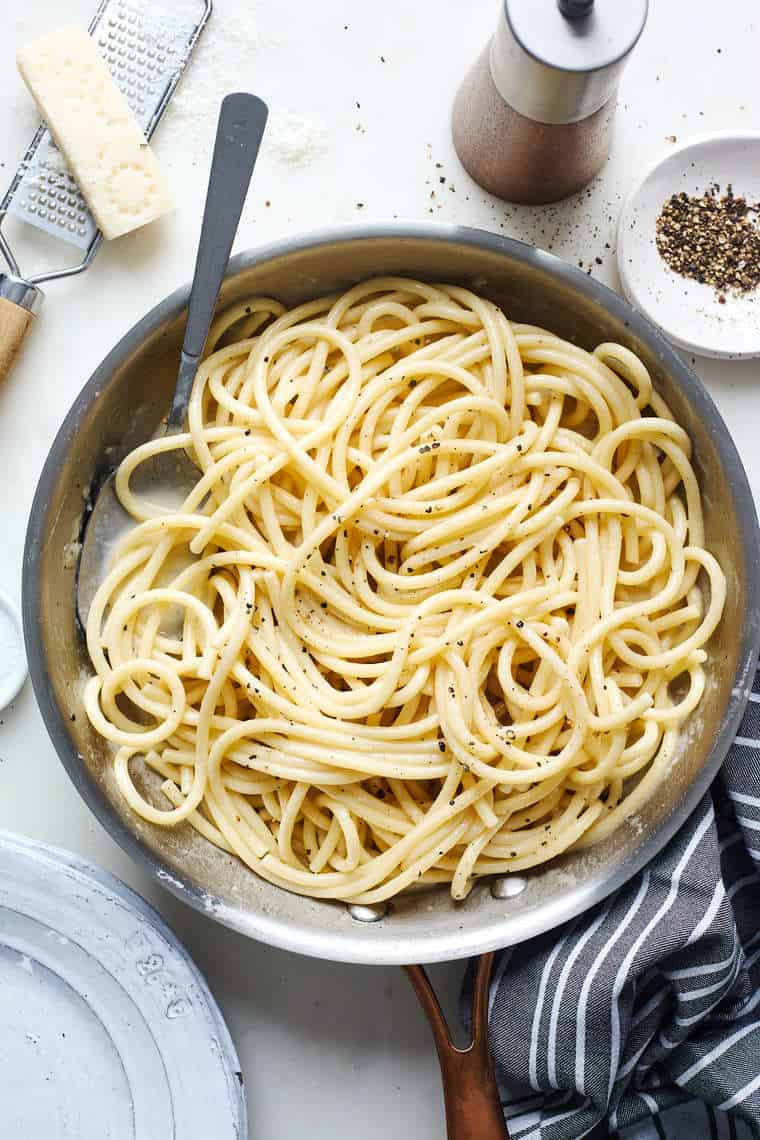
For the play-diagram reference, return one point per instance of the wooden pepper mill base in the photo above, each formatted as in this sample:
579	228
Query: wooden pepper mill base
520	159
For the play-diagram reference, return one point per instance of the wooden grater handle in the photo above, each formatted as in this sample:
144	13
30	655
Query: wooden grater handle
19	301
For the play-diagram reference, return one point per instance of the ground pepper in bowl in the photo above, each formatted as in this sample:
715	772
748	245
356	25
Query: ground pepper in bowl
713	239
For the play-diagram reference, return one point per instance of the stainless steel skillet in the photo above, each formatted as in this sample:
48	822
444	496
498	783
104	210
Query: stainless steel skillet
121	405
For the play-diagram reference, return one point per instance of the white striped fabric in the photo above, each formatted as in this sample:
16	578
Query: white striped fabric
641	1019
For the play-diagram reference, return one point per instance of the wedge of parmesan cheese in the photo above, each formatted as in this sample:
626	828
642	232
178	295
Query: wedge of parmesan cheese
92	124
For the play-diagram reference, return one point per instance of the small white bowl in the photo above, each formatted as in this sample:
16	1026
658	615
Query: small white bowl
12	657
689	313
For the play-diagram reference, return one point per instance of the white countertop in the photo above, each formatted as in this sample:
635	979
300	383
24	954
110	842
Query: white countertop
360	96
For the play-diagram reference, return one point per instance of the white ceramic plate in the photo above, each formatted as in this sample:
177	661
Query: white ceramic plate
107	1028
689	313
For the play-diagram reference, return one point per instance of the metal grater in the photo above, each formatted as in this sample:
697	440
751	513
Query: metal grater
146	48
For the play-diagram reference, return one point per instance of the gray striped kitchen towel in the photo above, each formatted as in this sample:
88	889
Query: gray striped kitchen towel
644	1013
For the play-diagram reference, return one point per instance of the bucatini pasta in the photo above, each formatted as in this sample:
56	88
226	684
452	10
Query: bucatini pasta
431	612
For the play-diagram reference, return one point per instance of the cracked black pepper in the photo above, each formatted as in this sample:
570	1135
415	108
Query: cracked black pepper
713	238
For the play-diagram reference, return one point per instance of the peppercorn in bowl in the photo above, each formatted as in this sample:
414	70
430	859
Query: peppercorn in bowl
689	245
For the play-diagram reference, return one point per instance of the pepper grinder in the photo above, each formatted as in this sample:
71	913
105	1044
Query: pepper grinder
532	121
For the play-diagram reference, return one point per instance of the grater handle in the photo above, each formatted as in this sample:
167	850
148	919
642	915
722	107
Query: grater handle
19	301
242	119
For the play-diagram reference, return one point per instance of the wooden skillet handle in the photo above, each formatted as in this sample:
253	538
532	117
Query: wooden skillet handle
19	301
473	1106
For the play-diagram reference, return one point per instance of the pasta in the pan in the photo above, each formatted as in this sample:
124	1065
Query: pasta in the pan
432	611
